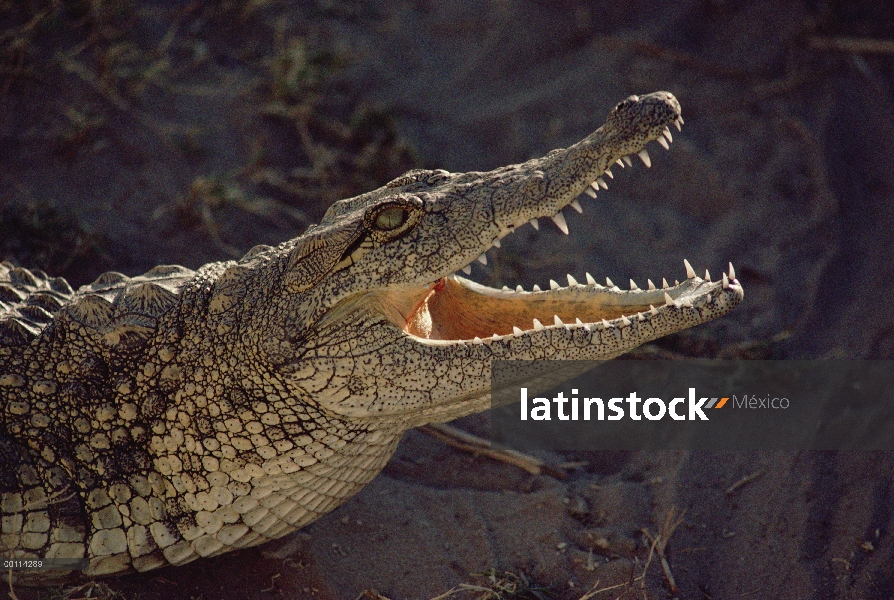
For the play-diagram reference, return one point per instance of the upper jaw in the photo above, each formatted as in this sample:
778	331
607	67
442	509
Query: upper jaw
546	186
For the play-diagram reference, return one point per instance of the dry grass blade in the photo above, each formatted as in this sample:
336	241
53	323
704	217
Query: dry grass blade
12	592
371	595
659	543
503	586
92	590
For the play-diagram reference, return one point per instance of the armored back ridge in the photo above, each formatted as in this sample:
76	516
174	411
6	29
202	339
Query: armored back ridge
157	419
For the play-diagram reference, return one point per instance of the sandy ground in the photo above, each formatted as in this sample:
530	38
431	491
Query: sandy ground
139	134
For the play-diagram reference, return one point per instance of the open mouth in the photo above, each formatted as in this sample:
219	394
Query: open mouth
456	309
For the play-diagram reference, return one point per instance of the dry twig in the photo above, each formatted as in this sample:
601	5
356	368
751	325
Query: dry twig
744	481
472	443
853	44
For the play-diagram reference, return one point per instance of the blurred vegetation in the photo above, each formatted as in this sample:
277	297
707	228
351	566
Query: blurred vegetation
36	233
120	72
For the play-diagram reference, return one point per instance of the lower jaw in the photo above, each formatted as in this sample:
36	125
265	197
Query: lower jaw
451	311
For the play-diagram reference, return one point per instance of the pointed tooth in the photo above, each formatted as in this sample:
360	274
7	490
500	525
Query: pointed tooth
707	275
557	321
516	331
578	322
620	163
668	301
496	243
680	121
467	269
571	280
495	337
483	259
732	272
609	173
633	285
663	143
506	288
725	281
537	325
641	316
606	324
627	161
690	273
512	230
536	288
667	134
676	282
534	224
686	302
553	285
589	192
625	320
664	285
644	156
559	220
651	285
519	289
609	283
653	310
576	206
601	182
590	280
477	340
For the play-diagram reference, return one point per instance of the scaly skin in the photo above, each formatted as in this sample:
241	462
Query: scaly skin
153	420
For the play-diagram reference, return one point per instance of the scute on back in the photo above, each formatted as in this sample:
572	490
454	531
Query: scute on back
28	301
114	308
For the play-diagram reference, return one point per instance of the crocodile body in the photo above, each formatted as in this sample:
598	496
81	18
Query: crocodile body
154	420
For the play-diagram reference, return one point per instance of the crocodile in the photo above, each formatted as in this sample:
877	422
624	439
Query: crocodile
152	420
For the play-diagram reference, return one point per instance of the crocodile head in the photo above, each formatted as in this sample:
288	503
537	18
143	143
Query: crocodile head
376	279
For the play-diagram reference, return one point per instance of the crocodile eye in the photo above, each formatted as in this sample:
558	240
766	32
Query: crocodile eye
391	218
627	102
